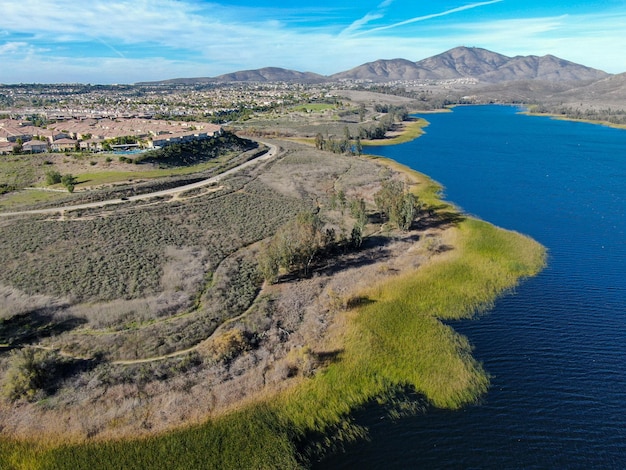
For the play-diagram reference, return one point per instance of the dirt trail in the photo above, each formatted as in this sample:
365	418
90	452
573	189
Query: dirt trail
273	150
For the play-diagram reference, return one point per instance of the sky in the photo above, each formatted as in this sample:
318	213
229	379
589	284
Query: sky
126	41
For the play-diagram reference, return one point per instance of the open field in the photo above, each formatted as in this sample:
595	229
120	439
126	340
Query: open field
169	349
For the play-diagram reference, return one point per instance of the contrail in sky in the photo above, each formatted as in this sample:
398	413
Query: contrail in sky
434	15
110	47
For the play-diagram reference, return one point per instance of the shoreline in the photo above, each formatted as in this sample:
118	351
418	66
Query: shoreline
289	416
560	117
409	130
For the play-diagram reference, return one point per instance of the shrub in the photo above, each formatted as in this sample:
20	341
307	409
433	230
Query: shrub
30	372
53	177
228	345
69	181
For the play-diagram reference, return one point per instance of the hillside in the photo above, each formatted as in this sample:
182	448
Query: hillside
610	91
266	74
471	62
460	62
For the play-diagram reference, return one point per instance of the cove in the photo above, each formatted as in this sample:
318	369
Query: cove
556	347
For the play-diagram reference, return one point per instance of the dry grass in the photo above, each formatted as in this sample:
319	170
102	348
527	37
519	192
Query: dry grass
191	265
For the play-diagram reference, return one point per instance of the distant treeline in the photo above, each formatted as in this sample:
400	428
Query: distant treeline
613	116
424	99
352	143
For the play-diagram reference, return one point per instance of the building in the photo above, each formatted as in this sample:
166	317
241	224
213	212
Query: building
35	146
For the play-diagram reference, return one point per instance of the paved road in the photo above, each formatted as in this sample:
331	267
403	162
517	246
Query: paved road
214	179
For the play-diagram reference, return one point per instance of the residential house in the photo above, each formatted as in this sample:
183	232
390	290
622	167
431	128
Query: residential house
34	146
63	145
91	145
6	148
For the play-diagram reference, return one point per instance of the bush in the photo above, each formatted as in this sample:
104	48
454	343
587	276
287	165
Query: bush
69	181
53	177
228	345
30	372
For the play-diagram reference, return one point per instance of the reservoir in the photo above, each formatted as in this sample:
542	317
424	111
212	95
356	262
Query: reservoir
556	347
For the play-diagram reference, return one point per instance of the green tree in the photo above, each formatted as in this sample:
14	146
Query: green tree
361	112
356	236
397	204
18	147
29	372
319	141
293	247
69	181
358	146
357	211
53	177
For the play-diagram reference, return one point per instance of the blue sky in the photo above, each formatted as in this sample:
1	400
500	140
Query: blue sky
125	41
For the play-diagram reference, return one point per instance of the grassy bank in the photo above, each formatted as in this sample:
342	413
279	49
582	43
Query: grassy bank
410	131
561	117
394	339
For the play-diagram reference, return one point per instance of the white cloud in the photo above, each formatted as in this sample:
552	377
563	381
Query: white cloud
181	38
13	48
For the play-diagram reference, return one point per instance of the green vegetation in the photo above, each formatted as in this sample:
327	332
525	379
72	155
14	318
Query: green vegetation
315	107
53	177
411	130
293	246
397	204
30	372
197	151
399	325
612	117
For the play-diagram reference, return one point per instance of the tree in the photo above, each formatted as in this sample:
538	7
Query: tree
293	247
269	262
358	146
357	211
69	181
356	236
397	204
53	177
30	372
319	141
18	147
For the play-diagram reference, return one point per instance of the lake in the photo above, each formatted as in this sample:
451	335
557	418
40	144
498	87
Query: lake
556	347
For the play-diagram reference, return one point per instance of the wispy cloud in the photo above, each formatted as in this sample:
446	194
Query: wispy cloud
376	14
134	40
12	47
431	16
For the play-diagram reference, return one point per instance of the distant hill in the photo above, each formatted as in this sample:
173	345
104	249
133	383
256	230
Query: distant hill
264	75
460	62
610	91
472	62
271	74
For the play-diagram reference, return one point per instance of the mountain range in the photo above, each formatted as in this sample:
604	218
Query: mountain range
460	62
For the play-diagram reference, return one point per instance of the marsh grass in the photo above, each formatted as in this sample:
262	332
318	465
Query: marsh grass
410	131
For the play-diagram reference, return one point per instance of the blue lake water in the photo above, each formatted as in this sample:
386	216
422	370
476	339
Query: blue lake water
556	348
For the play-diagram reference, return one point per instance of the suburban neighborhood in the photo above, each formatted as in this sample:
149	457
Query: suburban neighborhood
94	135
